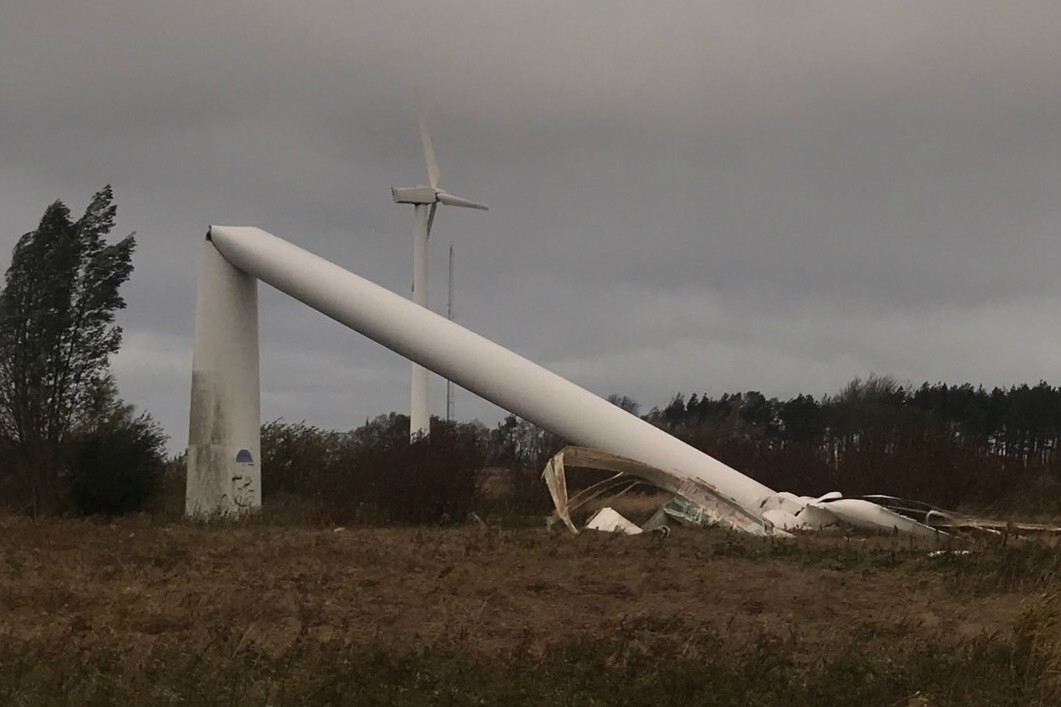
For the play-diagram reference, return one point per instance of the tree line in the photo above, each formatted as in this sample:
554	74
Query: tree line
947	444
956	446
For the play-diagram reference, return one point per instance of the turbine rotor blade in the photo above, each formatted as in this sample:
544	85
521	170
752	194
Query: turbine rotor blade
450	200
431	217
429	153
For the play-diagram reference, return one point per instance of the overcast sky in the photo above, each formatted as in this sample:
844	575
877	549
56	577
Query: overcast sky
684	196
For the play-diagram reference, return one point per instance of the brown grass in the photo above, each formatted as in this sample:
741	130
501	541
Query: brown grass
134	596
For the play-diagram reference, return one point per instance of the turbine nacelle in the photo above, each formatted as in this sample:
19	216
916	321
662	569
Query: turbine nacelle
431	195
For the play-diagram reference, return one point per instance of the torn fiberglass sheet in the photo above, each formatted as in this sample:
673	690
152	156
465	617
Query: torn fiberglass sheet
720	509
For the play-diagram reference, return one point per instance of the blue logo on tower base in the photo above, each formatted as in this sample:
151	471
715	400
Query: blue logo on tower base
243	456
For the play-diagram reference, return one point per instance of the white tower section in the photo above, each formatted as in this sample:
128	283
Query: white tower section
420	393
225	408
224	438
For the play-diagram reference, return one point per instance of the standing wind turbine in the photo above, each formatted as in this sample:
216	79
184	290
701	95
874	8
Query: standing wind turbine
426	201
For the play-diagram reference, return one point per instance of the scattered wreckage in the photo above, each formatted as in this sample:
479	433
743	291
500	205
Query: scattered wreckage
696	502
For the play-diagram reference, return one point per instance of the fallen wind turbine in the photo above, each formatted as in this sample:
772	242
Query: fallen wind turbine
425	200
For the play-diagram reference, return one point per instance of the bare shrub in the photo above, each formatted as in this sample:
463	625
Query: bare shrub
371	476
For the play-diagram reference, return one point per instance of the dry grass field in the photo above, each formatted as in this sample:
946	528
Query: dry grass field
140	612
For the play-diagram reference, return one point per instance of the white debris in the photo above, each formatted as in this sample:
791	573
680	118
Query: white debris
609	520
870	516
790	503
783	519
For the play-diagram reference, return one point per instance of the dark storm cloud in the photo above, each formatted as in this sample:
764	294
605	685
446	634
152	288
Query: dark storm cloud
684	196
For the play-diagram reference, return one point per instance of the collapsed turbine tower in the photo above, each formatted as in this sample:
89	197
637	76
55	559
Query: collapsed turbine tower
425	200
224	442
224	438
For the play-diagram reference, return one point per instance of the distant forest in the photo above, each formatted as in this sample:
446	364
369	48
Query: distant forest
955	446
951	445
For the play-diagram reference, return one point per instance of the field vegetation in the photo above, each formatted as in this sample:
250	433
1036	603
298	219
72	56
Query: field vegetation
139	611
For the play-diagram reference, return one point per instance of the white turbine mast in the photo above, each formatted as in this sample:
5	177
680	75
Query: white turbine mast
425	199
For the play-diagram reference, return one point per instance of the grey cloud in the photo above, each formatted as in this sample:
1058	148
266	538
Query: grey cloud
690	196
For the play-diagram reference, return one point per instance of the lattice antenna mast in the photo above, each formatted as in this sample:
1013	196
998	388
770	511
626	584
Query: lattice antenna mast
449	315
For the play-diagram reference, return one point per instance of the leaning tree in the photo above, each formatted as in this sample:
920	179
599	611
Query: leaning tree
57	334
